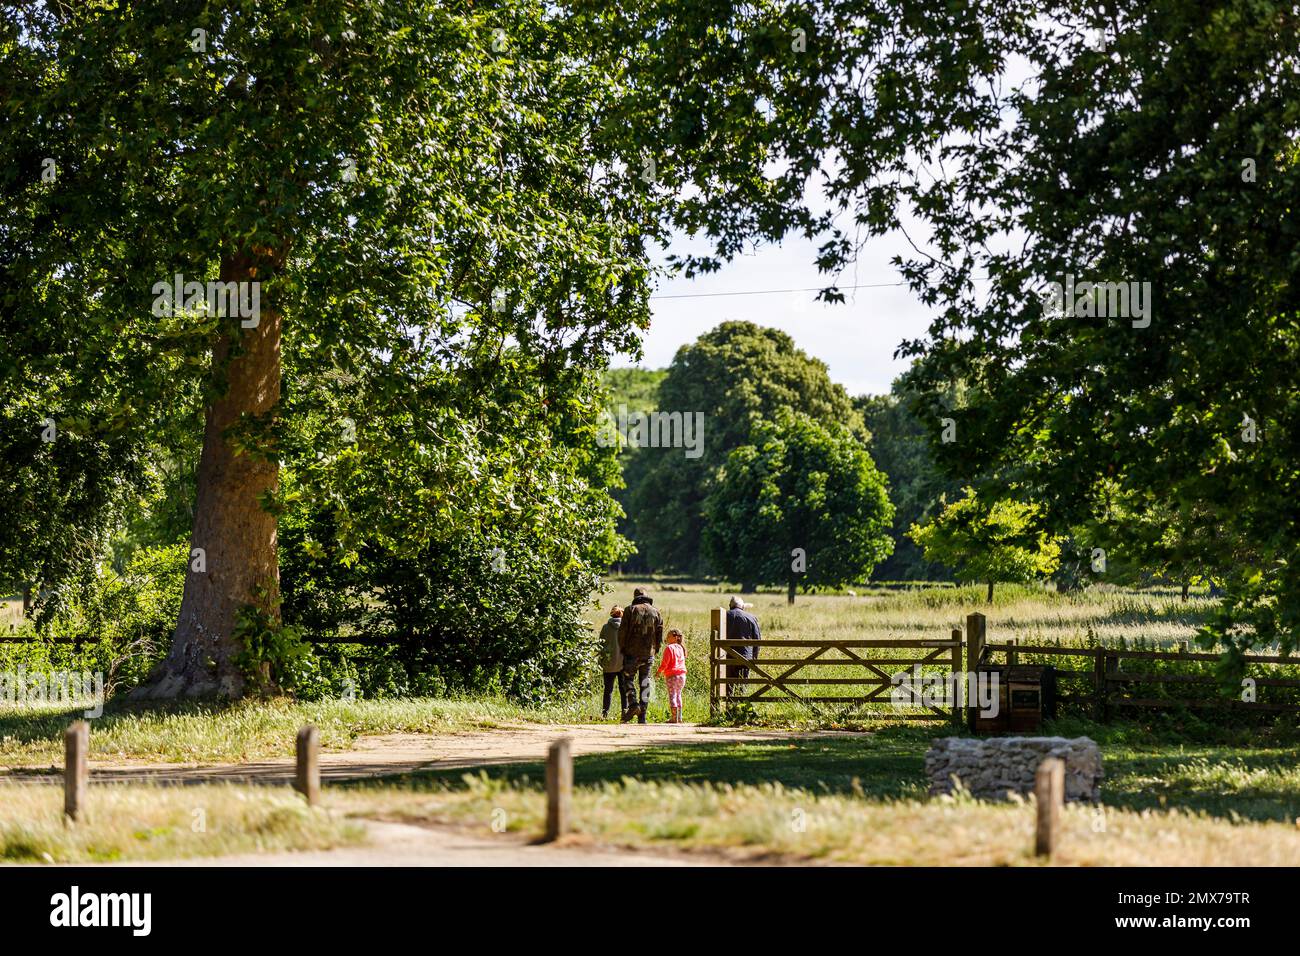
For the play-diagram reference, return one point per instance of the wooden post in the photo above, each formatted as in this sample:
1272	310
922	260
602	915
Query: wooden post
559	788
1013	656
1098	685
307	781
975	632
958	688
717	658
1111	665
76	772
1049	795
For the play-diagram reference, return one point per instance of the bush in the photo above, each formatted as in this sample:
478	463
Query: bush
123	622
467	616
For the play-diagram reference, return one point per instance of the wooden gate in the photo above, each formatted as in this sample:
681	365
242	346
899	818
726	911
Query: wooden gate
781	674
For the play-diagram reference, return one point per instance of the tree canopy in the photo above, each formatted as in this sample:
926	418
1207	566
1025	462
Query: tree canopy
441	216
989	541
440	239
801	505
917	481
736	375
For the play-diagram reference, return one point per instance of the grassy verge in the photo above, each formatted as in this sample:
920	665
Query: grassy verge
210	733
767	820
1229	781
852	798
163	823
862	800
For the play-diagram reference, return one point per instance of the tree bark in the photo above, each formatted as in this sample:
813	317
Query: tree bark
1186	587
990	597
237	538
789	598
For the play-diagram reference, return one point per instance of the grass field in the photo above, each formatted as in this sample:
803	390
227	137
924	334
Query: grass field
840	799
251	730
1110	616
843	802
1179	788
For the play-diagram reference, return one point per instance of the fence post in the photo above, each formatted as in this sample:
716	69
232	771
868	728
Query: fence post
307	781
717	656
959	686
1049	795
975	633
559	788
76	771
1098	685
1111	665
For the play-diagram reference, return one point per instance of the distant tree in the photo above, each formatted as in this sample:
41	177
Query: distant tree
916	481
802	503
636	391
990	541
635	388
1143	538
737	375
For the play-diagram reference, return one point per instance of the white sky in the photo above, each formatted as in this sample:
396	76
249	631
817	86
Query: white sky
856	339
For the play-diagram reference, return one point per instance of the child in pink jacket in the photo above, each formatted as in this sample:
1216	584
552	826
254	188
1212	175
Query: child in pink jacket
673	667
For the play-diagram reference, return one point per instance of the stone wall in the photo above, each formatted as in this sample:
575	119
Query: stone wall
990	767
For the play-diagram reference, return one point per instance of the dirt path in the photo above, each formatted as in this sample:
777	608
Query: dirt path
399	844
404	753
396	844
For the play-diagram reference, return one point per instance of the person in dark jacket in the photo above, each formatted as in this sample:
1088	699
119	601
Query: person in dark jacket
741	626
640	636
611	658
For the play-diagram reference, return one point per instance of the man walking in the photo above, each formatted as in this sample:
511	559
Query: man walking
611	658
640	636
741	626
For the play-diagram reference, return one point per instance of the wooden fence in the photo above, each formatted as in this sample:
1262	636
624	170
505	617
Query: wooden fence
363	639
781	674
774	677
1103	686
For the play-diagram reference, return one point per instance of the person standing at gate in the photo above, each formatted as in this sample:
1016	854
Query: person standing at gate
640	636
611	658
741	626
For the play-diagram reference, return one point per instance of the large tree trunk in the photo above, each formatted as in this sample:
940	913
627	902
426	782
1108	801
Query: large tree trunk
990	597
236	536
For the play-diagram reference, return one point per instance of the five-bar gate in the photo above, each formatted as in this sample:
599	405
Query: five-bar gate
830	671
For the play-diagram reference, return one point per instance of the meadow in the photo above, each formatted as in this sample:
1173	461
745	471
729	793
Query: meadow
1181	787
1150	619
